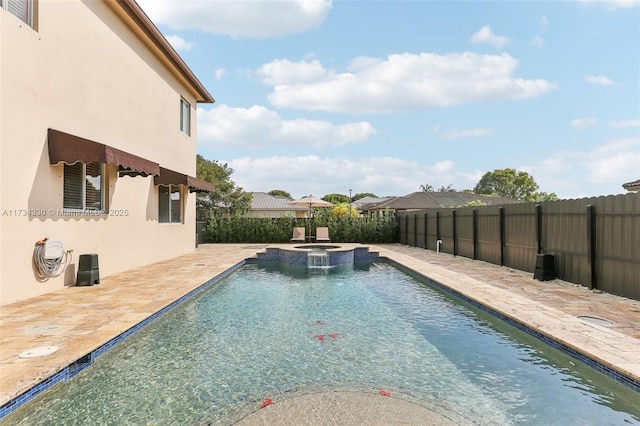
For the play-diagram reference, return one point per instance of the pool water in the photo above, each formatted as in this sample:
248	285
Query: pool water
275	331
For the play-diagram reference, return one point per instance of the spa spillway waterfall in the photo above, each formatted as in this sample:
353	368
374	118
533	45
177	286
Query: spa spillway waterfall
317	259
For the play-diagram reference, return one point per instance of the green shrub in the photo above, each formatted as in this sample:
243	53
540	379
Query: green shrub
381	229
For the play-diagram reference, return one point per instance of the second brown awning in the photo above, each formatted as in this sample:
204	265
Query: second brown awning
71	149
169	177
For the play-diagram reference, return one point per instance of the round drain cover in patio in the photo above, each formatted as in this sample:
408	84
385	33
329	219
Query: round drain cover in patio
38	352
596	320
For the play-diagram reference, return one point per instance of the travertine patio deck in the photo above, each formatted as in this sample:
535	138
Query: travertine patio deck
78	320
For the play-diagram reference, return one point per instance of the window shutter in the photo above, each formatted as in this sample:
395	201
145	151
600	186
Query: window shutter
19	8
185	116
163	204
72	194
176	205
93	188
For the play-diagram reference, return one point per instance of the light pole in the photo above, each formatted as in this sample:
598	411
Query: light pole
349	202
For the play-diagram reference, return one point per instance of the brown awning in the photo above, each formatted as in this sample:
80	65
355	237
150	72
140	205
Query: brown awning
70	149
169	177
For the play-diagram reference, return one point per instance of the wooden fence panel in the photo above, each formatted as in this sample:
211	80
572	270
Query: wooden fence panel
411	231
520	248
419	227
489	234
446	230
464	233
618	245
565	236
432	230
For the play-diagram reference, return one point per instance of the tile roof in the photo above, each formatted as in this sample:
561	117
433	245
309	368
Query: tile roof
264	201
368	200
632	186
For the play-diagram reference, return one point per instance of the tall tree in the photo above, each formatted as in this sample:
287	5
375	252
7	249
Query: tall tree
512	184
344	210
507	183
426	188
360	195
543	196
336	198
227	196
448	188
279	193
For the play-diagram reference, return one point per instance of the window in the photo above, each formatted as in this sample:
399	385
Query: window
23	9
83	186
169	204
185	116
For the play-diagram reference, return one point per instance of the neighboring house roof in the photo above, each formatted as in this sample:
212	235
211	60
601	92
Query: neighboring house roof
368	200
376	205
416	200
632	186
160	46
427	200
264	201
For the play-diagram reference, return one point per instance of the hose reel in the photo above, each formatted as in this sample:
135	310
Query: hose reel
50	258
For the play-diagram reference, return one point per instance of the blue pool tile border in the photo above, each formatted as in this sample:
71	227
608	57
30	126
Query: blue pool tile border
608	371
85	361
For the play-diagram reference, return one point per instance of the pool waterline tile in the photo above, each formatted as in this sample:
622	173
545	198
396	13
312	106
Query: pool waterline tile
485	286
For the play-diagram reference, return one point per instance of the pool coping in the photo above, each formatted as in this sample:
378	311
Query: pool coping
617	373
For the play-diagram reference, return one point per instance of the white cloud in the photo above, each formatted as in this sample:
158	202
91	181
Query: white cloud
601	169
382	176
556	165
544	22
485	35
598	80
401	82
625	123
219	73
583	123
285	72
537	41
614	161
259	127
254	19
178	43
613	4
464	133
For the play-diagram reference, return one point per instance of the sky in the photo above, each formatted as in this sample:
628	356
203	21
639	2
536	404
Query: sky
384	97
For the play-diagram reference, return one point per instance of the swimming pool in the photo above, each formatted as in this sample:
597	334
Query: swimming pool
277	330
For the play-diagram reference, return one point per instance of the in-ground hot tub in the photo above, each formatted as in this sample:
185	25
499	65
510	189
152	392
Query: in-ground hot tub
335	254
317	247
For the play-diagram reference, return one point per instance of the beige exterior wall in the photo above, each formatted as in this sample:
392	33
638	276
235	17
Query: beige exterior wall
85	72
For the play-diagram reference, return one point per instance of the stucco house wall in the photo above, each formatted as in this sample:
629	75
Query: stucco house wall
90	70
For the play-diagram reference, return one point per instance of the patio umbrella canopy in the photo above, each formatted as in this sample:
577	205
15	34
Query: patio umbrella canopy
311	202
